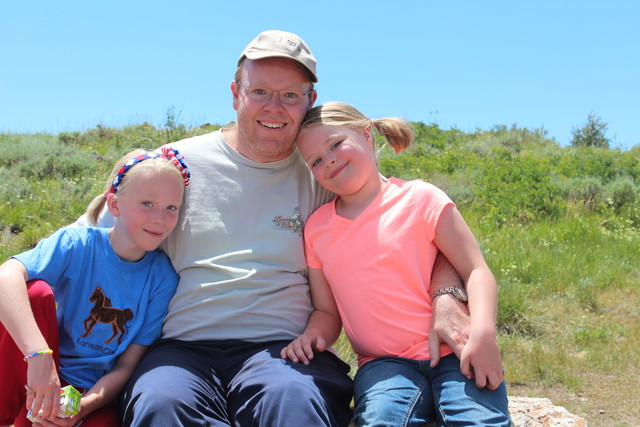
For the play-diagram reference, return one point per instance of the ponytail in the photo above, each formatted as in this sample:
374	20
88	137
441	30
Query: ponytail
95	208
398	133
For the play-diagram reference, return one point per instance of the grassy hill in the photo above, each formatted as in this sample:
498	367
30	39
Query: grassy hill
559	227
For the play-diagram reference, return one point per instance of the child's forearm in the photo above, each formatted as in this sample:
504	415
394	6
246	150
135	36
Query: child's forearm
104	391
324	324
483	301
322	331
109	386
15	310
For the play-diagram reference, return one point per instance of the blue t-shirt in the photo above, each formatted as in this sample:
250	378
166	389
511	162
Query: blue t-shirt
103	303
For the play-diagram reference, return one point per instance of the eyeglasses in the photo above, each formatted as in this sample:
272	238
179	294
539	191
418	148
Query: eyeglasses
289	97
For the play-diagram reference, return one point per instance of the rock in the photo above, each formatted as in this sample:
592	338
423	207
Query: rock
536	412
540	412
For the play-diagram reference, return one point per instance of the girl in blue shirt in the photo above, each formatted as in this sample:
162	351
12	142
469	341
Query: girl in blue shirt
83	305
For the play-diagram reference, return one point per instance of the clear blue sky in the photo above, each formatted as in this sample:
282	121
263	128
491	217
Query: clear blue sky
70	65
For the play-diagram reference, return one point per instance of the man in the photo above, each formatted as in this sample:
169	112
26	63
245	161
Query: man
243	293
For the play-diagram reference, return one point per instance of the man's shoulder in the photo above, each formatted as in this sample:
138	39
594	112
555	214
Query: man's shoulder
196	140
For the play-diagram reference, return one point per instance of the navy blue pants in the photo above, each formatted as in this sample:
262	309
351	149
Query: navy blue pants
235	383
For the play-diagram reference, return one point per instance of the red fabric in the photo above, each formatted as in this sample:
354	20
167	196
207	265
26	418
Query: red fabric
107	416
13	369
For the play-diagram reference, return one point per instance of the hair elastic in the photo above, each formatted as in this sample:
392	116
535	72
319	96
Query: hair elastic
29	356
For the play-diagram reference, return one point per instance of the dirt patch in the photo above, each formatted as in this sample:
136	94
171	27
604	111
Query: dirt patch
604	400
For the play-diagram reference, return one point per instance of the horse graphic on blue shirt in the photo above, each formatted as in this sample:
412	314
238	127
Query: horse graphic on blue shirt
103	312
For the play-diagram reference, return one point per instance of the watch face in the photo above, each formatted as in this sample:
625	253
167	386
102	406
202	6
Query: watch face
461	294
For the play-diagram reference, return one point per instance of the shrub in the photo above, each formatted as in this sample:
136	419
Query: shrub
592	161
586	191
592	134
622	192
516	189
57	160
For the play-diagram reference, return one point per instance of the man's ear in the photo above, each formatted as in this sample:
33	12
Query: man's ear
113	205
312	98
234	92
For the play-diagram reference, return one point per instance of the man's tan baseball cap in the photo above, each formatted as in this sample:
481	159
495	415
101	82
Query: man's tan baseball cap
274	43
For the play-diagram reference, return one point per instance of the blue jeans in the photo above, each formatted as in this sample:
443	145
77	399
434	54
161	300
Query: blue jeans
235	383
392	391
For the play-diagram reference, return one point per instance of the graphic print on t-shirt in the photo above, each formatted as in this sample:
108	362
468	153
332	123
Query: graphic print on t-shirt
103	312
293	222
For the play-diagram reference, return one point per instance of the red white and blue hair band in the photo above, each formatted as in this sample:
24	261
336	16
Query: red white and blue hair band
167	153
178	160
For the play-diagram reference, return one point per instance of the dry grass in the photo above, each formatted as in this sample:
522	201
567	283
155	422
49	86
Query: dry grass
604	400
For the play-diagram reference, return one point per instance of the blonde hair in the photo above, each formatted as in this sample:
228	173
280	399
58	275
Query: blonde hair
160	164
397	132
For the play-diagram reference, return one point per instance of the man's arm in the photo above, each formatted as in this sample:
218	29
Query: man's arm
450	320
105	220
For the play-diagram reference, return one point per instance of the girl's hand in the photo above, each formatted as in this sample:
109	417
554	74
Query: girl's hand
481	360
302	348
68	421
55	422
43	387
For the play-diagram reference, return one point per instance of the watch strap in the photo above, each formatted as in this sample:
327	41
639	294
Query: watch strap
453	290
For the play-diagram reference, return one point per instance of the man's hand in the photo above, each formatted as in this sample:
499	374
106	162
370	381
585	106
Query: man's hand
450	320
449	325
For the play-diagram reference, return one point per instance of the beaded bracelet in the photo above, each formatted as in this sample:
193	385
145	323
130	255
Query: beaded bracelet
29	356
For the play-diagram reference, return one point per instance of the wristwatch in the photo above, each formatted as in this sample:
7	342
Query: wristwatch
459	293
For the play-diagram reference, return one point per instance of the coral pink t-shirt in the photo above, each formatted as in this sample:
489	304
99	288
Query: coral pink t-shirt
379	268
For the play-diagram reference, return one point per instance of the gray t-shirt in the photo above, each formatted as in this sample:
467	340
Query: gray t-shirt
238	245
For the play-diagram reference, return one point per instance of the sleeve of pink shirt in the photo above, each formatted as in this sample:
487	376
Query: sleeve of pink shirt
318	218
432	202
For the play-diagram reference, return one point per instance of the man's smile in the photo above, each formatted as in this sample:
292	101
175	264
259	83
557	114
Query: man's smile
272	125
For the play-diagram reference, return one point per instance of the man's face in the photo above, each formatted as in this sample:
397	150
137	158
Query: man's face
267	130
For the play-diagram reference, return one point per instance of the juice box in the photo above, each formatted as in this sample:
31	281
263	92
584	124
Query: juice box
69	403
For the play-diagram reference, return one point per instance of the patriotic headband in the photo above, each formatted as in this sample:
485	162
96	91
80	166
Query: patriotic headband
167	153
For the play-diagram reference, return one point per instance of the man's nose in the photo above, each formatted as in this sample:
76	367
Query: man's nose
274	102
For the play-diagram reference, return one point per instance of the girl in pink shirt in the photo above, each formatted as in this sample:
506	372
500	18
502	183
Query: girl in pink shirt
370	255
